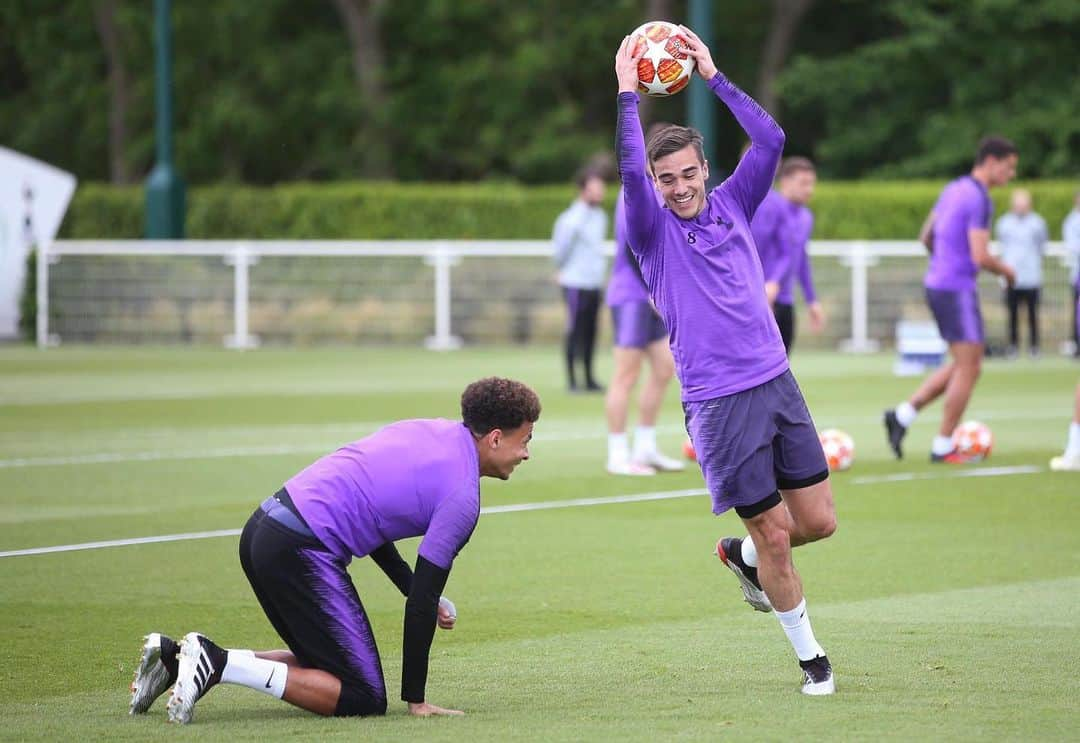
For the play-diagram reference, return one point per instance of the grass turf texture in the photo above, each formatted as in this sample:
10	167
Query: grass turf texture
949	605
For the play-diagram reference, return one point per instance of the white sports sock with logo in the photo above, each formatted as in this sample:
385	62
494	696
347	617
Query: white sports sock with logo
618	448
796	624
906	414
942	445
267	676
749	551
644	441
1072	448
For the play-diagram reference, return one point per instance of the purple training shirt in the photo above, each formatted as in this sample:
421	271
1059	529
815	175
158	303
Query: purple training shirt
782	229
626	283
963	205
412	478
704	274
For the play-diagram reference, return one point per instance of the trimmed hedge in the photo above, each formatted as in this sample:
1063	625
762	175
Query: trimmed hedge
844	210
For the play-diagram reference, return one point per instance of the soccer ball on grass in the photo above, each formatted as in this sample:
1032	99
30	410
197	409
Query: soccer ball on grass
973	439
839	449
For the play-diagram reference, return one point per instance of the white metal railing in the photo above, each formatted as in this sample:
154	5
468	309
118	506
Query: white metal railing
442	255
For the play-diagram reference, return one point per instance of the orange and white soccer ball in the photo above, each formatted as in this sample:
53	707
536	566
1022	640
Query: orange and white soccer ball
973	439
666	68
839	448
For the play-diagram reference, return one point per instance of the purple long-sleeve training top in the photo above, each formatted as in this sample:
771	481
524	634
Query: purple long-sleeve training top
409	479
782	231
703	274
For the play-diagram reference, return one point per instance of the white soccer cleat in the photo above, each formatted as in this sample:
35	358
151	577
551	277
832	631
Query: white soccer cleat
818	678
633	469
1065	464
152	675
661	463
201	664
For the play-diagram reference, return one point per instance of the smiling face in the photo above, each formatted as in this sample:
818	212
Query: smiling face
680	177
501	451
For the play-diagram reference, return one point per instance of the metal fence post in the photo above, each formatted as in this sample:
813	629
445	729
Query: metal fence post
859	260
442	259
241	258
45	258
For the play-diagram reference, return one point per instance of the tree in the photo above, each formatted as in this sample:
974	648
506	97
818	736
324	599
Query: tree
360	18
119	92
915	100
786	17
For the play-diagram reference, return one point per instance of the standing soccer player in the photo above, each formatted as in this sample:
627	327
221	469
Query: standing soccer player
411	478
578	238
640	336
1070	458
755	440
782	226
957	234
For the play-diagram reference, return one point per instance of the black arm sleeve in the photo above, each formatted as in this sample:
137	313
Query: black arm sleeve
397	570
421	613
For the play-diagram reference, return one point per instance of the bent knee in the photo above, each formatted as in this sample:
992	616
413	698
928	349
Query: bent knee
359	701
824	527
773	539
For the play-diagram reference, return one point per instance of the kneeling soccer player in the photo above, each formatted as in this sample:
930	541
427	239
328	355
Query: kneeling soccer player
411	478
755	440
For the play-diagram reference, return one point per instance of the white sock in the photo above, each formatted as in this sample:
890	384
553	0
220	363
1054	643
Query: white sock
796	624
906	413
267	676
749	551
644	441
942	445
1072	449
618	447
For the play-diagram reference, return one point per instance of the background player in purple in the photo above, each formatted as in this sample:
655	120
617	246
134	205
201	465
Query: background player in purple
782	227
411	478
640	335
754	437
957	234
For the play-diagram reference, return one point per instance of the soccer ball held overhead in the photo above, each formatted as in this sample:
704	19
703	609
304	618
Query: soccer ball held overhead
665	68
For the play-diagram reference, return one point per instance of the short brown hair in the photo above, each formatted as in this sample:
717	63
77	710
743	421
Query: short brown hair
793	165
494	402
674	138
996	147
587	174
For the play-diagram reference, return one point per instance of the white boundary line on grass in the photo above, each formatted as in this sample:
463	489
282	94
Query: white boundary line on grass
251	451
509	508
540	506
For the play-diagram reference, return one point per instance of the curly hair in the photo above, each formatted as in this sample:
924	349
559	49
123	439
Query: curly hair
494	402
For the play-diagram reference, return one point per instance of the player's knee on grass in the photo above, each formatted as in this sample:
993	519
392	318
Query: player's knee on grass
356	701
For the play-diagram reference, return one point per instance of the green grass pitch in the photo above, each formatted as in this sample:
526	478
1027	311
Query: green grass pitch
949	604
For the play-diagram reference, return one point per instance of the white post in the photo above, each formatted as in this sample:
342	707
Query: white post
241	259
44	259
442	259
859	260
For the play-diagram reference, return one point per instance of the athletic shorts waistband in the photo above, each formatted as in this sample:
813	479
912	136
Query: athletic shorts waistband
281	509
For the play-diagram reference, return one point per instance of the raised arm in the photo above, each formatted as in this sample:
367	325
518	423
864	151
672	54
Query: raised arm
642	209
755	172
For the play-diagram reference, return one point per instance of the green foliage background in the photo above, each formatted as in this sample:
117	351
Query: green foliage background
889	210
475	89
